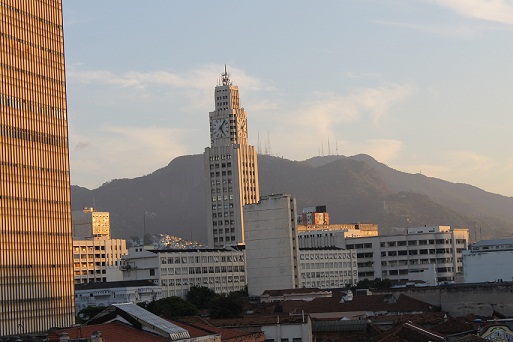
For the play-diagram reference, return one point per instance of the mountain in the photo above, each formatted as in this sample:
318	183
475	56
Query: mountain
355	189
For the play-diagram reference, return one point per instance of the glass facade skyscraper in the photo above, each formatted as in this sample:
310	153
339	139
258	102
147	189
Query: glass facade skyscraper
36	270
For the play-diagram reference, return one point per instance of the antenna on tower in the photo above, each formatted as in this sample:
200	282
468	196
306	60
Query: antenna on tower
225	77
336	147
268	144
322	149
259	147
329	149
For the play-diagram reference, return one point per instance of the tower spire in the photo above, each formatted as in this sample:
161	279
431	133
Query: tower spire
225	77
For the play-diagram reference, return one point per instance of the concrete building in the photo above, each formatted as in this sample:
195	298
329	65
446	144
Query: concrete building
349	229
271	244
89	223
231	168
96	257
328	268
105	294
428	253
314	216
98	260
35	245
488	261
176	271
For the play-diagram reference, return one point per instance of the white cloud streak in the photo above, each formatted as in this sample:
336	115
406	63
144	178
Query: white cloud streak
492	10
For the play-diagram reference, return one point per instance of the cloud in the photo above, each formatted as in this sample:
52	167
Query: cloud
492	10
467	167
329	109
122	152
454	31
200	78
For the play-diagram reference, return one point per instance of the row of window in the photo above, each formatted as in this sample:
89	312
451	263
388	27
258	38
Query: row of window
220	206
29	135
201	259
200	270
203	281
221	157
338	265
223	165
228	239
315	256
330	274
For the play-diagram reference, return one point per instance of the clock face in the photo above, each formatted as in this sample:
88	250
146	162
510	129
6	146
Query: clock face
220	128
241	123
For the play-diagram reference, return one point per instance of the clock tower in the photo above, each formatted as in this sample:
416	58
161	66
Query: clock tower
231	167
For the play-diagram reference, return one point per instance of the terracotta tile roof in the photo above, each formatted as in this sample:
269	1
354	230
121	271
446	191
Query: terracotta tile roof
409	332
199	329
372	303
114	331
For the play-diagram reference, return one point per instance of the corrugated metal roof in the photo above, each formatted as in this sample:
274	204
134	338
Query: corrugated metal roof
153	321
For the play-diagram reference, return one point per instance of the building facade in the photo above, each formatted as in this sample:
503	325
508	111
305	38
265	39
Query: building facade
426	253
271	244
89	223
98	260
36	270
105	294
488	261
176	271
231	168
328	268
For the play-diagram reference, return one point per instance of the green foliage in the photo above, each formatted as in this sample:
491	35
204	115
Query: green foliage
377	283
172	307
201	296
89	312
231	306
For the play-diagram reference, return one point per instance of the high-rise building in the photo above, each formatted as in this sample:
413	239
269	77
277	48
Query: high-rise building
36	270
231	167
272	250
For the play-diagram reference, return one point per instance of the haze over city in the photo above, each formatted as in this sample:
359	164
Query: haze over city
422	86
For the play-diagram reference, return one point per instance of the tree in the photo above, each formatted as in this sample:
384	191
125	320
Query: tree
172	307
231	306
201	296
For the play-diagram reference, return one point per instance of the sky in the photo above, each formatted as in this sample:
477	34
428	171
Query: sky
423	86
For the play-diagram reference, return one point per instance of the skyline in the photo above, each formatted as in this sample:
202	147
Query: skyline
420	86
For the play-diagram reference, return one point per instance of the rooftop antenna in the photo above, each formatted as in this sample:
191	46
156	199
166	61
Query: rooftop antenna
225	77
259	146
329	149
336	147
268	144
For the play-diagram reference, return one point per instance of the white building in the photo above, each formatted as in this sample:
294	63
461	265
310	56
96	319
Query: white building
231	168
105	294
426	253
176	271
488	261
271	244
329	267
98	260
96	257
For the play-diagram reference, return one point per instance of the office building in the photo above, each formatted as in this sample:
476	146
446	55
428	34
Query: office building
488	261
328	268
177	270
271	244
432	254
36	270
89	223
231	168
98	260
96	257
